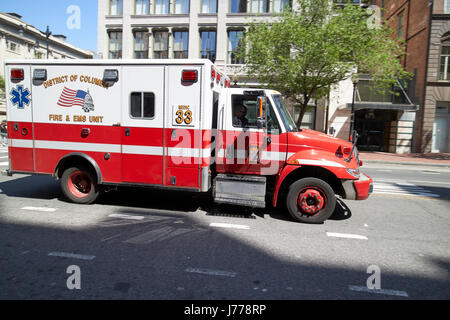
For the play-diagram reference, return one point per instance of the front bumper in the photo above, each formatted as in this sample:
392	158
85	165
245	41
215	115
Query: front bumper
358	189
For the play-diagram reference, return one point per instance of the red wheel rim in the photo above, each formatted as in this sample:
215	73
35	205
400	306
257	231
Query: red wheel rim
311	201
80	184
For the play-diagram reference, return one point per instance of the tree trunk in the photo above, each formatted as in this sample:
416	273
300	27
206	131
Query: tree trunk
303	108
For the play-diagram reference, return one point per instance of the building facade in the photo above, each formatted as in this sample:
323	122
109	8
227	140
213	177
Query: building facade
19	40
424	26
211	29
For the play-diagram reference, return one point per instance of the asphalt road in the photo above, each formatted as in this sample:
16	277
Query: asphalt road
150	244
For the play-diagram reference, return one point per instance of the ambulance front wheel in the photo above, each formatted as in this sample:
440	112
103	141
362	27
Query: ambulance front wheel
79	185
311	200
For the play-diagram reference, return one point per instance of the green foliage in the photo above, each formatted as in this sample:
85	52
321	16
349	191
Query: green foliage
2	87
308	50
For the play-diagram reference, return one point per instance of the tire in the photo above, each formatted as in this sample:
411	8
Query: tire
79	185
310	200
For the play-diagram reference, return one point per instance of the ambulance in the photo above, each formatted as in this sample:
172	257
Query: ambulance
172	124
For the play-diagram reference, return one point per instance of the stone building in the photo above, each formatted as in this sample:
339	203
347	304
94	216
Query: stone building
425	28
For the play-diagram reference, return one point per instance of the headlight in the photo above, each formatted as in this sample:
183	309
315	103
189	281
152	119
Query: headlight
354	172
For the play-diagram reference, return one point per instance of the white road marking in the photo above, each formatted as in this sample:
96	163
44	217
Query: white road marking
346	235
4	163
43	209
415	181
126	216
384	170
379	291
4	157
71	255
229	226
424	172
211	272
404	188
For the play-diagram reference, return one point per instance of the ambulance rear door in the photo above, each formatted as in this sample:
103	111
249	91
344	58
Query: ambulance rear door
19	110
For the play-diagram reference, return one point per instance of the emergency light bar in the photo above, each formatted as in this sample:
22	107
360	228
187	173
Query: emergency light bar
39	76
110	76
254	93
189	76
17	75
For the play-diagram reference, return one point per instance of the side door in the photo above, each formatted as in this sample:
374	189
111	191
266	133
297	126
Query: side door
19	110
183	143
247	149
143	124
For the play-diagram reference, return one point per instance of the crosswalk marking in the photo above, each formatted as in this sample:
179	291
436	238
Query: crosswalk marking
4	157
402	189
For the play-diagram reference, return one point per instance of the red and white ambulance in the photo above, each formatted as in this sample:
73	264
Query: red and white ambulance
173	124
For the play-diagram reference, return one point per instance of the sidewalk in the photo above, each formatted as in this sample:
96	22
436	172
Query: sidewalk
429	159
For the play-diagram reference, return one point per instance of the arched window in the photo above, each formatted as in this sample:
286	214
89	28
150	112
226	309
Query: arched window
444	73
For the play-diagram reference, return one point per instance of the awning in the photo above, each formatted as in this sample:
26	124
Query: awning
380	106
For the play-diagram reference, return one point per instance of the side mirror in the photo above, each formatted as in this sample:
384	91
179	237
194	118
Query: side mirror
261	121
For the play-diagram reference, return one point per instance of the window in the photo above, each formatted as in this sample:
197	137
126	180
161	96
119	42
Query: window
208	39
116	7
180	44
142	105
12	46
259	6
182	6
445	58
280	5
162	6
209	6
237	6
161	45
142	7
447	6
245	113
115	44
400	25
234	38
141	45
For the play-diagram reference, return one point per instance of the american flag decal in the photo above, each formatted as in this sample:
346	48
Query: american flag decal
70	98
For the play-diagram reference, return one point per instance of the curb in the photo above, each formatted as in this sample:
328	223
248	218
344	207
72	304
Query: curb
407	163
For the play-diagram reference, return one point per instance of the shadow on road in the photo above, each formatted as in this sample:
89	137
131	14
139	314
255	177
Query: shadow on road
46	187
168	255
172	257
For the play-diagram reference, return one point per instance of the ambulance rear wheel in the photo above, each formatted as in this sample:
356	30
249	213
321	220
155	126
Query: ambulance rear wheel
310	200
79	185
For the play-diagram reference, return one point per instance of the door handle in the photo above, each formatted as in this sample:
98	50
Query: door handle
127	132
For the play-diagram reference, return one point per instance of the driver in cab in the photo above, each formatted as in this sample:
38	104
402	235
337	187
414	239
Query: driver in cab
239	118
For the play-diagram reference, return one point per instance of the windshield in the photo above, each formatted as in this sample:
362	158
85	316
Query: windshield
285	115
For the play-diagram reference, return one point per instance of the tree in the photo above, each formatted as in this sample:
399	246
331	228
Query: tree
2	88
303	53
